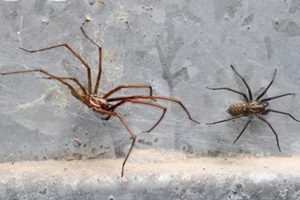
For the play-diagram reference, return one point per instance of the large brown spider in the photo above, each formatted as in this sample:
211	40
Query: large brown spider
248	107
103	104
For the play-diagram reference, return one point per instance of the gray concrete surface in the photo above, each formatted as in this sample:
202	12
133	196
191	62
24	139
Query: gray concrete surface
193	178
178	47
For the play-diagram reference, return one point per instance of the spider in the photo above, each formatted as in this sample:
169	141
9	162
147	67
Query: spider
250	107
104	104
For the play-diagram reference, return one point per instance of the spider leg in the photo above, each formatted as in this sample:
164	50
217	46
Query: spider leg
144	103
85	64
109	93
276	97
133	137
225	120
280	112
264	92
248	88
100	61
235	91
110	113
51	76
107	117
154	97
264	120
243	129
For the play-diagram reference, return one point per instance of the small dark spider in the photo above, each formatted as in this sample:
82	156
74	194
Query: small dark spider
103	104
248	107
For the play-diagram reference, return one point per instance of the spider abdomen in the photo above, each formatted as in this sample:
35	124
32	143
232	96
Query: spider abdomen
239	108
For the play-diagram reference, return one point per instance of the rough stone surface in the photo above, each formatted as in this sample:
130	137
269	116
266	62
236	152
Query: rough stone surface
186	178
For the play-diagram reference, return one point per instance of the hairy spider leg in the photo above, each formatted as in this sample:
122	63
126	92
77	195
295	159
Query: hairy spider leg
51	76
100	61
100	72
141	102
156	98
133	137
276	111
85	64
112	91
243	129
264	92
264	120
280	112
276	97
225	120
248	88
235	91
116	89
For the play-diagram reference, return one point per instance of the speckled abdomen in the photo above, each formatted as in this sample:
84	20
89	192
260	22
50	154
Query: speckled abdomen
239	108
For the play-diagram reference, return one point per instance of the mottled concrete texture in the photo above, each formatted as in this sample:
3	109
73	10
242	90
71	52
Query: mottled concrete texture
199	179
179	48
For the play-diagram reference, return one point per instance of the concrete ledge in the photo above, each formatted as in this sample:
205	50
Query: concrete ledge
202	178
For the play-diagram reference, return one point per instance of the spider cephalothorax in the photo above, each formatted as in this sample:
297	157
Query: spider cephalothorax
98	102
250	107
